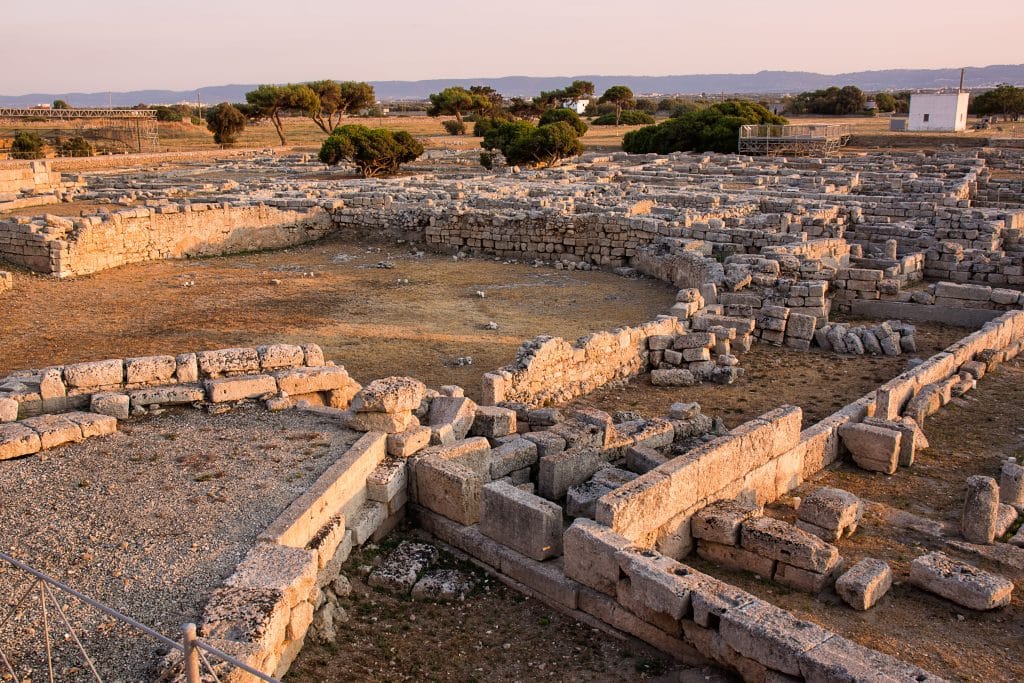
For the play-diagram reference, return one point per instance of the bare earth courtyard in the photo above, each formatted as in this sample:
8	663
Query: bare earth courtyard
677	418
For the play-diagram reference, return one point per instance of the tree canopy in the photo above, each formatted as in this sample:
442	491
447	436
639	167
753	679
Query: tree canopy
455	101
1003	100
336	99
563	114
76	146
271	101
523	143
60	104
27	144
374	151
630	117
577	90
620	96
714	129
226	123
830	101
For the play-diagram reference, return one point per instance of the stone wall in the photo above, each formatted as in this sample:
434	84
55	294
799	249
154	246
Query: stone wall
35	177
66	247
551	370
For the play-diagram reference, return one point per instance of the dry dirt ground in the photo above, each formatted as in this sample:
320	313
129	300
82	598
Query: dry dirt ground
496	634
818	381
968	437
148	521
360	314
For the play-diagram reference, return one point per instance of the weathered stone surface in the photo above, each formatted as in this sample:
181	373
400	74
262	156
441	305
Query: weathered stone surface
100	373
511	456
400	569
1011	484
838	659
16	440
297	381
450	418
405	443
112	404
54	430
641	459
175	394
521	521
443	585
449	481
581	499
289	571
672	377
802	579
226	389
546	442
770	635
562	470
279	356
245	614
783	542
590	550
835	511
493	422
720	522
960	582
981	510
873	448
389	395
92	424
736	559
8	409
389	423
228	362
865	583
149	369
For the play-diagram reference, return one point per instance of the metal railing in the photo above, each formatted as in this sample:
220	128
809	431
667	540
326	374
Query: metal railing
193	649
827	131
94	113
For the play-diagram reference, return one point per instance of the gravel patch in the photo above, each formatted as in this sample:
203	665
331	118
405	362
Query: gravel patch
148	521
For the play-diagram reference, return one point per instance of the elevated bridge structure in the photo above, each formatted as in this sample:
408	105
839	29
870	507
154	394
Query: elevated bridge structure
134	129
819	140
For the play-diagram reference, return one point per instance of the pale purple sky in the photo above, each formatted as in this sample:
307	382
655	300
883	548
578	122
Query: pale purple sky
100	45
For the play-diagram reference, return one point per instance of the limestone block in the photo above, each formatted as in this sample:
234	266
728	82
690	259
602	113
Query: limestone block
389	395
493	422
298	381
770	635
912	437
449	488
54	430
735	558
175	394
313	355
672	377
450	418
186	368
280	356
783	542
92	424
237	388
386	480
1005	518
562	470
326	543
981	510
512	456
101	373
289	571
365	521
641	459
258	616
405	443
873	448
959	582
839	659
389	423
581	499
830	513
802	579
150	369
547	578
113	404
683	411
16	440
865	583
228	362
8	409
399	570
720	522
1011	484
659	583
590	550
546	443
521	521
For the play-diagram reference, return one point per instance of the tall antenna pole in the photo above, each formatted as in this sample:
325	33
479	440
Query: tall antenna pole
962	79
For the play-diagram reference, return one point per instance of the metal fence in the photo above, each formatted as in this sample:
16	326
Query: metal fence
194	650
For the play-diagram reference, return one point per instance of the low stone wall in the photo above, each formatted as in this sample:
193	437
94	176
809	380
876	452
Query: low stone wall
115	161
551	370
29	177
67	247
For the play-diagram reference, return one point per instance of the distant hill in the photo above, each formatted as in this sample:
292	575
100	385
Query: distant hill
762	83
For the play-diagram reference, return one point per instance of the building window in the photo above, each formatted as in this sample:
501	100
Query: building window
926	117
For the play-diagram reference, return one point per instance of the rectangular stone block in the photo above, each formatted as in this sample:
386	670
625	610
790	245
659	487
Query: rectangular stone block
150	369
493	422
720	522
736	559
100	373
590	559
297	381
512	456
562	470
770	635
404	444
54	430
780	541
17	440
521	521
226	389
228	362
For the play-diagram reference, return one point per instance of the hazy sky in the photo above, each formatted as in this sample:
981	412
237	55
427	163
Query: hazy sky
100	45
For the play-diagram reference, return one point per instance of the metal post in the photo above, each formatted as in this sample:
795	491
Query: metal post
191	653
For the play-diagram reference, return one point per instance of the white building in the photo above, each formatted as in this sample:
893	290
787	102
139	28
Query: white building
941	111
578	106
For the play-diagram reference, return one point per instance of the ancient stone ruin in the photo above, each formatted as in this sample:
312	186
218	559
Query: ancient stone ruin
603	516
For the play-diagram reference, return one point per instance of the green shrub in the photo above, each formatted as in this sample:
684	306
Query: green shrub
226	122
454	127
566	115
628	117
27	144
75	147
714	129
526	144
374	151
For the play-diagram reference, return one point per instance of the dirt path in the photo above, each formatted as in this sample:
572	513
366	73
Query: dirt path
362	316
